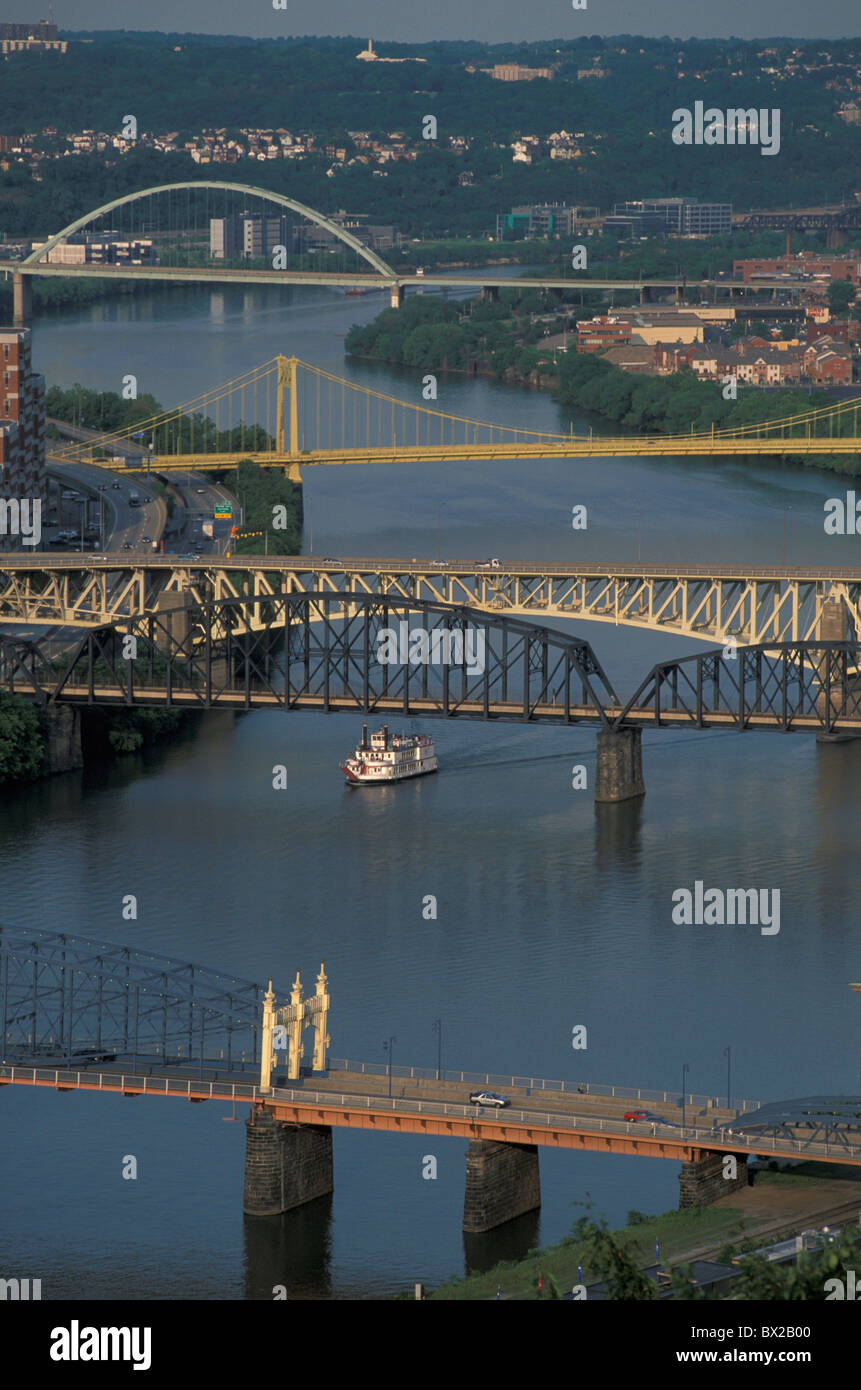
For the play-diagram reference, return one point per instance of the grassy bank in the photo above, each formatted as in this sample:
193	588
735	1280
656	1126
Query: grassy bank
683	1235
677	1231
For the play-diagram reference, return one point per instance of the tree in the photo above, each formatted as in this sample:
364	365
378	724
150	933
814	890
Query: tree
806	1279
840	295
615	1259
22	740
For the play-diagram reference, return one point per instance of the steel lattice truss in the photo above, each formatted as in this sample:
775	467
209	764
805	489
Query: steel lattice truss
817	1119
754	605
792	686
321	651
368	653
72	999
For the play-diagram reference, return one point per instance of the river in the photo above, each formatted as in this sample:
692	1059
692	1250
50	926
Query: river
549	916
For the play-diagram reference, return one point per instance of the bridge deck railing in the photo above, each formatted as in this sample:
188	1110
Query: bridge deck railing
230	1091
540	1083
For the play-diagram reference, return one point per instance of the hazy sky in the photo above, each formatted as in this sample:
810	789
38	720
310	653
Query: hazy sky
494	21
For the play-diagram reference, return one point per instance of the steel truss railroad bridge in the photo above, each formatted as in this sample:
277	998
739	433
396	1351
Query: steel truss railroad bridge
357	638
338	652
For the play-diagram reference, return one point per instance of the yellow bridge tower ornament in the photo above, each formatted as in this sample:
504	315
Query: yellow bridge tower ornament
283	1028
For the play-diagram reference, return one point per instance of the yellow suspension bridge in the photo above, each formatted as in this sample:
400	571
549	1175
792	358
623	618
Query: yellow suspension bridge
286	413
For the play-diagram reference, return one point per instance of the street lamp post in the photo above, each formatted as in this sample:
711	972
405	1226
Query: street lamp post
437	1028
388	1046
727	1052
83	519
685	1070
785	510
439	530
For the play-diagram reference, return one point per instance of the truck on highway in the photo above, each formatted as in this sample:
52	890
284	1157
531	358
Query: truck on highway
134	499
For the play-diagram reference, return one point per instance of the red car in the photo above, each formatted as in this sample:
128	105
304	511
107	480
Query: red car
634	1115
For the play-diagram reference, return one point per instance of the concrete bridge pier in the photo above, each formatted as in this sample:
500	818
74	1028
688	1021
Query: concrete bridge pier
62	726
490	292
619	765
286	1165
22	301
702	1180
834	627
173	608
502	1182
396	296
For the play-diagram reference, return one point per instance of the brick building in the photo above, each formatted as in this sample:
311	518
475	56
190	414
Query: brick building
846	267
841	330
22	428
602	332
828	362
768	366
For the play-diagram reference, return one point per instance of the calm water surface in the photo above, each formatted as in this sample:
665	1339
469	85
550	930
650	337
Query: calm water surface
549	915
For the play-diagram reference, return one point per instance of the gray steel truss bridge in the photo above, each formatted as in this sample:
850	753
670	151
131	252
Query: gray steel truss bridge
834	1120
73	1001
345	652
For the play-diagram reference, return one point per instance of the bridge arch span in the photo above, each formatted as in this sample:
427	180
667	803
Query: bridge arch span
280	199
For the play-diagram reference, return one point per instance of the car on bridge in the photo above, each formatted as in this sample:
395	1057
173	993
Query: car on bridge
638	1116
488	1098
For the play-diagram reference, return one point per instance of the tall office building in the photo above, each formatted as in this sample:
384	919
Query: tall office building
248	237
22	426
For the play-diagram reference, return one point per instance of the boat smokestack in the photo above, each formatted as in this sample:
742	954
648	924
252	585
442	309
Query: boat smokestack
364	736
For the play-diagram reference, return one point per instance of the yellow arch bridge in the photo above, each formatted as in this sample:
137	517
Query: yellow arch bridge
286	413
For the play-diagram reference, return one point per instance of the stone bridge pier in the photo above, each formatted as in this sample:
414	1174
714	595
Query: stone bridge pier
286	1164
62	728
702	1181
502	1182
619	765
835	626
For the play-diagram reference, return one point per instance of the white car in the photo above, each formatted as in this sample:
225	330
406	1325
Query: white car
488	1098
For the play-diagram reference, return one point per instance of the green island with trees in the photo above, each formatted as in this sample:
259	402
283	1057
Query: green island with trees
503	338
